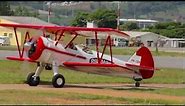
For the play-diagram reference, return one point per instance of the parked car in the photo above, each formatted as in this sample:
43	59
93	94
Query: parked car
4	41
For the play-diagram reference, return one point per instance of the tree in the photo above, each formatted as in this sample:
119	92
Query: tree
5	9
169	29
129	26
104	18
80	20
23	11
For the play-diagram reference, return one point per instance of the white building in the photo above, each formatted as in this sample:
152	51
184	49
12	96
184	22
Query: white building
175	42
142	23
148	38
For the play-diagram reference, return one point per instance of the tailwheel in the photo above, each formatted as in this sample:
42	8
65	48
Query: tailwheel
58	81
33	80
137	84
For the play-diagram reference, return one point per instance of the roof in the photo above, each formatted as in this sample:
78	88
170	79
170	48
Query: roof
137	33
139	20
176	39
25	20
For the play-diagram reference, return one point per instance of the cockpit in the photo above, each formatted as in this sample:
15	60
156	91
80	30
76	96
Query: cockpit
86	49
83	47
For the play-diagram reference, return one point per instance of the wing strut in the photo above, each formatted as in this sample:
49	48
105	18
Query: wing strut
17	41
108	42
26	36
62	34
97	46
18	46
56	33
71	40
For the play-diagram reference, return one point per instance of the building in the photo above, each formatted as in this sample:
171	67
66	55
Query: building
142	23
149	39
116	41
9	32
174	42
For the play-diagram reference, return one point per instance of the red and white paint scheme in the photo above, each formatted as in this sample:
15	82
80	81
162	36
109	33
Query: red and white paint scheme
50	54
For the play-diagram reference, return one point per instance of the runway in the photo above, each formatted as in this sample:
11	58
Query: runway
160	61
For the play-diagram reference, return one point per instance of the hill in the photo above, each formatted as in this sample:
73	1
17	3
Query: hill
64	12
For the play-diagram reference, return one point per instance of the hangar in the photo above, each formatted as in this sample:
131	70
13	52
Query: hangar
9	32
149	39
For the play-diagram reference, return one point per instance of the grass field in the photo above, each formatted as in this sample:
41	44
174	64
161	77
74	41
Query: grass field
13	72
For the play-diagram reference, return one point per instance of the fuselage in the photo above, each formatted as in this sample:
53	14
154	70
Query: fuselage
46	51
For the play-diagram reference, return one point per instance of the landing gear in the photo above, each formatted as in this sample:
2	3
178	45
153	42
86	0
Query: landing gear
137	84
33	80
58	81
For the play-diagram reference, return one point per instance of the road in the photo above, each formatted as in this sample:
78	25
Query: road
160	61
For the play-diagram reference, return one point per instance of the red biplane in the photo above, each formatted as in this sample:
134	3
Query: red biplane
51	52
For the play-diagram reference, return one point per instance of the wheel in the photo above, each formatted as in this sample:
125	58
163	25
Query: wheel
137	84
58	81
31	80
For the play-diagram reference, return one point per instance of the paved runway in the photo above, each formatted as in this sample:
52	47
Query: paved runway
160	61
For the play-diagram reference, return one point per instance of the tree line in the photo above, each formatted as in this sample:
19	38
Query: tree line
169	29
5	10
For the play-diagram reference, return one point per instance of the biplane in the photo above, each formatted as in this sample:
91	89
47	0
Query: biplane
50	53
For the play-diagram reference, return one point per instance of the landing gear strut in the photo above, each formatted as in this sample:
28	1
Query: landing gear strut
33	80
58	80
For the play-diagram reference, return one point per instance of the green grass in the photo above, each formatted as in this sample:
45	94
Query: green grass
12	48
16	72
49	97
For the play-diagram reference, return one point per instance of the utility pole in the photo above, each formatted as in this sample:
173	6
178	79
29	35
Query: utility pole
49	11
118	13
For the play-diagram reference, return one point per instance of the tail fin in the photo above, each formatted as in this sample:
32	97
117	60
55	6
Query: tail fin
143	60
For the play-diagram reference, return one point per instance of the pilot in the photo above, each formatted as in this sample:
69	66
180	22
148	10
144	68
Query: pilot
86	49
72	46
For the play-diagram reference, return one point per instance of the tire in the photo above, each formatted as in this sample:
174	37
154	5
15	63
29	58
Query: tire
137	84
33	81
58	81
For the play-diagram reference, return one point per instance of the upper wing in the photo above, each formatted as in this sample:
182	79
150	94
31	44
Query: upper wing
74	30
